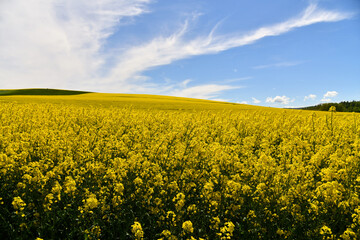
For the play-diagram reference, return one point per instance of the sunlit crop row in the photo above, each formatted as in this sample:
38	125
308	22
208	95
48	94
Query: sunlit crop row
77	172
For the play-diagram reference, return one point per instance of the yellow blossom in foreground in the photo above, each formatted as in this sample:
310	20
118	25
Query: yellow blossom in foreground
349	234
70	185
18	204
226	232
136	229
91	202
187	226
326	232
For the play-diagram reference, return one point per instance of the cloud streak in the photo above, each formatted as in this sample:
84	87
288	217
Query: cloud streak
279	64
165	50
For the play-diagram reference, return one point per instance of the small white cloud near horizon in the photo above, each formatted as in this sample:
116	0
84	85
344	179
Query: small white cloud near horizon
292	106
255	100
279	99
206	91
328	95
325	100
219	99
243	102
310	96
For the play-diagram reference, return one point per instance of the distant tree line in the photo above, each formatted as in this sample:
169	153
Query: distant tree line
353	106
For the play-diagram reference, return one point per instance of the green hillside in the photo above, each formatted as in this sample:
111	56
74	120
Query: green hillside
39	91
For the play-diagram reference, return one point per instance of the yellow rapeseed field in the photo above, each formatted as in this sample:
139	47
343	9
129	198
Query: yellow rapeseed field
111	166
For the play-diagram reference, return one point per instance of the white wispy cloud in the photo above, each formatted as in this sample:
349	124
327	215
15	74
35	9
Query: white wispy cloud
279	99
184	83
60	44
328	95
310	96
165	50
279	64
255	100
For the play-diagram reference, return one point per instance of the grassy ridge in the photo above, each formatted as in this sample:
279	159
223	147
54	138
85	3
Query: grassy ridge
39	91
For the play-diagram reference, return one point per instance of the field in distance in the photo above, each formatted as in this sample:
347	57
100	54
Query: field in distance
137	101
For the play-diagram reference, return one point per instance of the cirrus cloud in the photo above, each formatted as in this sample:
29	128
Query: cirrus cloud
164	50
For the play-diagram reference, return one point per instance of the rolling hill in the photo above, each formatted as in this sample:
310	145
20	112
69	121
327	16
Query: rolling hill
39	91
136	101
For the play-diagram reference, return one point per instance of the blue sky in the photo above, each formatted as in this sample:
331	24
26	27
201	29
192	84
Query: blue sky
276	53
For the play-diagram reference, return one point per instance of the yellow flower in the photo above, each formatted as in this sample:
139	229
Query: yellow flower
18	204
215	223
179	201
226	232
326	232
348	234
70	185
119	188
91	202
23	226
166	233
192	209
138	181
48	201
172	217
188	227
136	229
